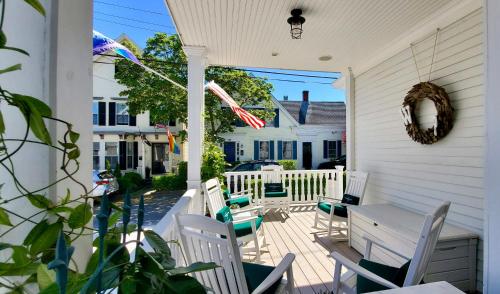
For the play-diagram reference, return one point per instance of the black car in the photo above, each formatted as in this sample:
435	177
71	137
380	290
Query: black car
341	160
253	165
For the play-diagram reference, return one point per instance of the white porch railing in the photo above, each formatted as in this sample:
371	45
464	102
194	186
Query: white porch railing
303	186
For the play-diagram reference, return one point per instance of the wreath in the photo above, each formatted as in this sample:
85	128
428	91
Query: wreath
443	122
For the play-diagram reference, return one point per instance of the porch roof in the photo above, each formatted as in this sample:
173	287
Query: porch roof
247	33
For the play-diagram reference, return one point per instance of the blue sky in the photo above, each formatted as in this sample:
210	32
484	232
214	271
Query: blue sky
141	19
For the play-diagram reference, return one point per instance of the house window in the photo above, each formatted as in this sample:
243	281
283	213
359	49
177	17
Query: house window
121	114
95	155
171	123
95	113
264	150
287	150
111	151
332	149
130	155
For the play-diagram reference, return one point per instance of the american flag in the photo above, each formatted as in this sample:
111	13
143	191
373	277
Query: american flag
247	117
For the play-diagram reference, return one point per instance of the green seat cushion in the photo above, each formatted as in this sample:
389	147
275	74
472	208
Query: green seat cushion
392	274
244	229
339	210
242	202
273	187
350	199
276	194
224	215
255	274
226	194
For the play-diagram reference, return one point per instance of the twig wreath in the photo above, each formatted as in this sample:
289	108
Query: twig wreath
443	122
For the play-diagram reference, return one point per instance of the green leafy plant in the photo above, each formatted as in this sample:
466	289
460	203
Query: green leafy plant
213	164
288	164
130	181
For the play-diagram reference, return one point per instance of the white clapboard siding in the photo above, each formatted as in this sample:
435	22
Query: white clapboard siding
416	176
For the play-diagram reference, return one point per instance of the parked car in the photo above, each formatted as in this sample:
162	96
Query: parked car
103	182
253	165
341	160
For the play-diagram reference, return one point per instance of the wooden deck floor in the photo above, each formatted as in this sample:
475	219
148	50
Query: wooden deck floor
313	268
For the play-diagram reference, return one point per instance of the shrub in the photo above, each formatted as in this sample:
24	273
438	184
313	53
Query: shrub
169	182
288	164
130	181
182	170
213	164
117	172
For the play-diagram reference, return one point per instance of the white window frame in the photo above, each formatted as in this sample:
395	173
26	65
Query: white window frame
121	114
95	113
96	155
130	155
112	157
332	150
285	153
262	145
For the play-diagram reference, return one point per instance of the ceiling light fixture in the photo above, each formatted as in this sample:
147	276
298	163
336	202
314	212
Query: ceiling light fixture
296	21
325	58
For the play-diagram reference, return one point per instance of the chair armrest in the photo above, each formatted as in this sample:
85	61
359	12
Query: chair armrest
254	208
331	199
244	220
276	274
237	196
241	192
339	258
371	239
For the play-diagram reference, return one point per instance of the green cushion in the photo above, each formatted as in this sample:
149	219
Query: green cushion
349	199
226	194
276	194
244	229
255	274
339	210
392	274
224	215
242	202
273	187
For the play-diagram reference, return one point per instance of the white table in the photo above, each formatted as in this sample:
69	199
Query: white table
434	288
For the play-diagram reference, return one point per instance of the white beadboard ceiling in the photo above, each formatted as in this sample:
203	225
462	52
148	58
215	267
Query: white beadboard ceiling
247	32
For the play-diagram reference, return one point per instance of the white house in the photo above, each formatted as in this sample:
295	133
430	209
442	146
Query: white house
309	132
132	142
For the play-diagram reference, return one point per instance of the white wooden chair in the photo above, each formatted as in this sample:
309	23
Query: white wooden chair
332	213
207	240
248	222
274	195
368	276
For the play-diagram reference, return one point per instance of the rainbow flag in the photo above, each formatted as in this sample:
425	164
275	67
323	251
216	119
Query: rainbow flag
174	148
103	44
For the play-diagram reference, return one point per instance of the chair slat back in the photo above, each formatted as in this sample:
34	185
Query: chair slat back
271	173
201	241
213	196
429	236
356	184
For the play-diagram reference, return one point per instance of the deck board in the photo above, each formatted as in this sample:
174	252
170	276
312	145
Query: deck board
313	268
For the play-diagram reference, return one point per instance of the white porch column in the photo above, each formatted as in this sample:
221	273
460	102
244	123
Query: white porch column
349	100
492	159
196	104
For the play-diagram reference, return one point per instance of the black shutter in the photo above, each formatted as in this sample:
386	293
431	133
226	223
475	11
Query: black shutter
339	148
132	120
277	118
325	149
102	113
136	154
123	154
112	114
171	123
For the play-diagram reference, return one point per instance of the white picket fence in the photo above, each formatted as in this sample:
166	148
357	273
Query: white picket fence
303	186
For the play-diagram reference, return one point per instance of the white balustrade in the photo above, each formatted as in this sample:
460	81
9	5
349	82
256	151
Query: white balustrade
303	186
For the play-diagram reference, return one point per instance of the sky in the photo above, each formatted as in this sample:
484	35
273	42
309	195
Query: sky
141	19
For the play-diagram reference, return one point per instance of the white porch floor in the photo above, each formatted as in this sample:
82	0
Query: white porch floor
313	268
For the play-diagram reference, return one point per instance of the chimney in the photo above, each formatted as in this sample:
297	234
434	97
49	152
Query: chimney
305	96
285	98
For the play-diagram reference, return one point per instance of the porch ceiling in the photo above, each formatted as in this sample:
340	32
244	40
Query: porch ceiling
247	32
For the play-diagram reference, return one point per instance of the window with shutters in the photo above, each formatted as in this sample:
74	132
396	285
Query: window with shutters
122	114
332	149
264	150
111	153
95	113
130	155
95	155
287	150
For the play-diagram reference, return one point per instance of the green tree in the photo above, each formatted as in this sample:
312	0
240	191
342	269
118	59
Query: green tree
165	101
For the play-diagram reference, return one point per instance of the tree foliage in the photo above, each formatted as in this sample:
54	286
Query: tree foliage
165	101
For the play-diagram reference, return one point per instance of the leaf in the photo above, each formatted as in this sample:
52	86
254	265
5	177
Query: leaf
2	124
67	145
4	246
20	255
45	277
73	136
184	284
16	49
3	39
11	68
66	198
47	239
37	230
34	110
157	243
74	154
4	218
39	201
195	267
37	5
61	209
13	269
113	219
80	216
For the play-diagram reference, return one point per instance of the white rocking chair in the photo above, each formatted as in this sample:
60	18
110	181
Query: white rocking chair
332	213
248	222
275	194
207	240
369	276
